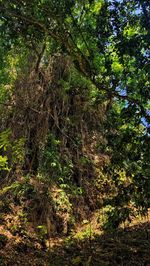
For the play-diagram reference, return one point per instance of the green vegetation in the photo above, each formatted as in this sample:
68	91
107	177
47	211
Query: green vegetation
74	128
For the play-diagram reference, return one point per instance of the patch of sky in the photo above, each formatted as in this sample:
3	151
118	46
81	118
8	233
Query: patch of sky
121	91
144	121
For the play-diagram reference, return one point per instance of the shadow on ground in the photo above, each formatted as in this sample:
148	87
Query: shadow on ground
130	246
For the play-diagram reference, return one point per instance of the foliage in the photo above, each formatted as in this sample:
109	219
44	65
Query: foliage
14	151
51	162
3	163
74	75
4	145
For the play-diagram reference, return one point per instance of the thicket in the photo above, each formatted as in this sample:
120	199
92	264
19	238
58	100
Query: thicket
74	99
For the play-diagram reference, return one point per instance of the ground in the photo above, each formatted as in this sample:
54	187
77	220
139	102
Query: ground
86	246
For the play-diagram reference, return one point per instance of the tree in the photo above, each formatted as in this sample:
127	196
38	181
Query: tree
107	43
